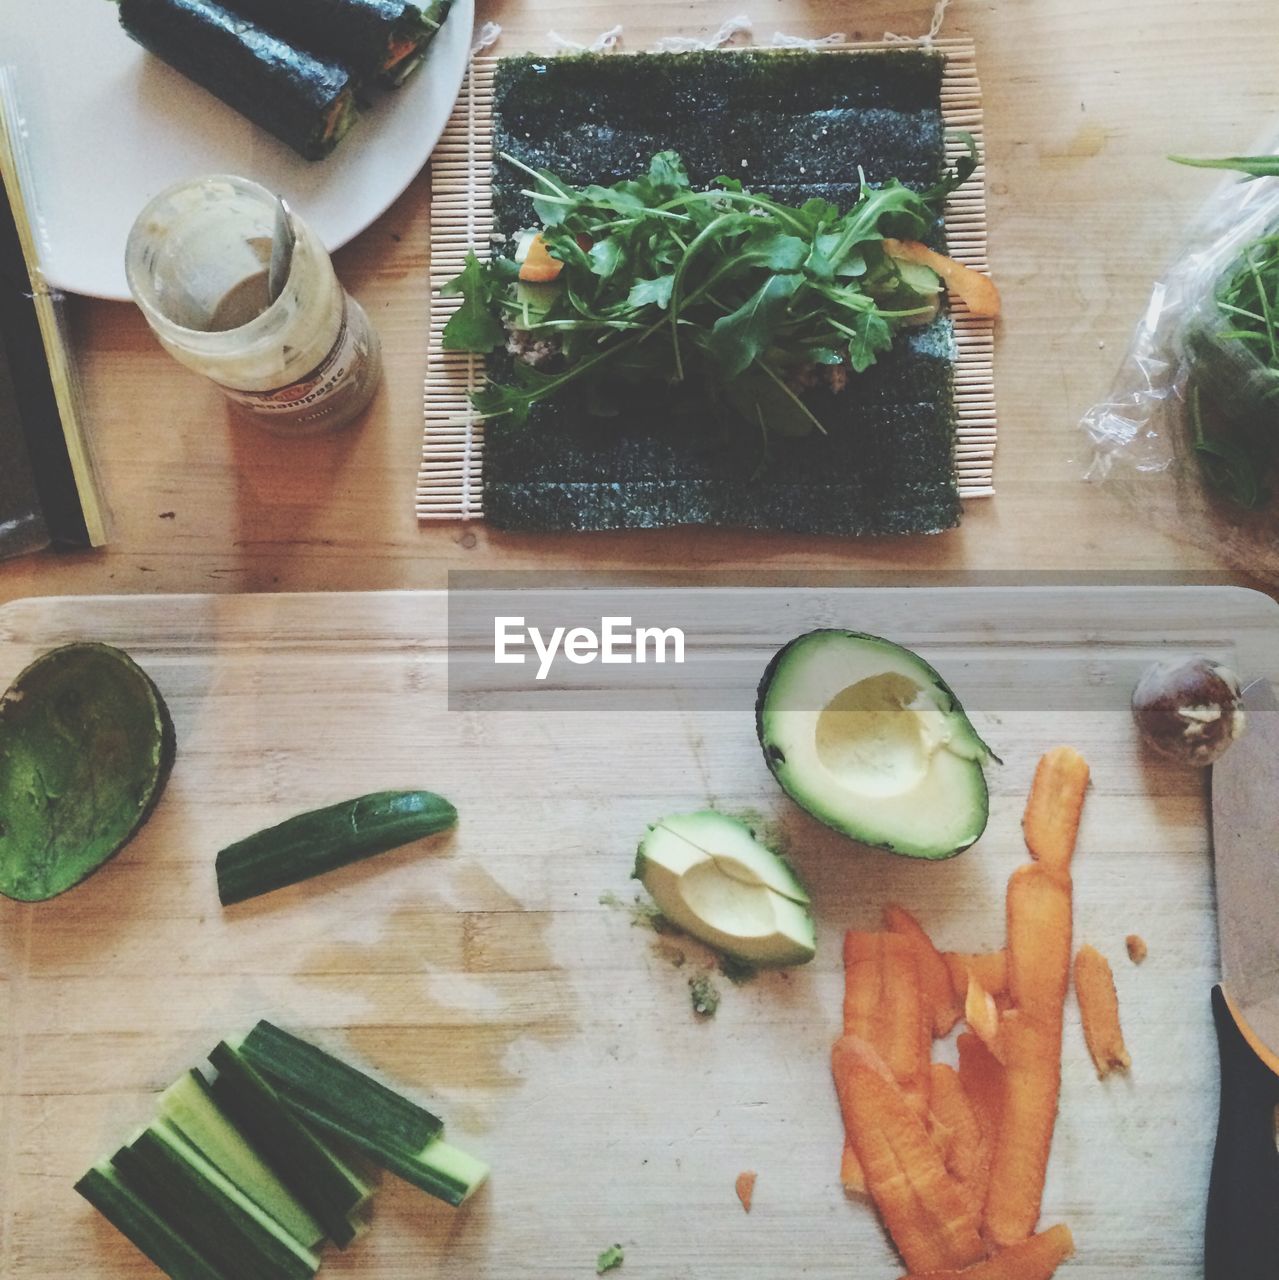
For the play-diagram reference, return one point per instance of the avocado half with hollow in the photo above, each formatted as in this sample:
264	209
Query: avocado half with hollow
86	745
867	737
712	878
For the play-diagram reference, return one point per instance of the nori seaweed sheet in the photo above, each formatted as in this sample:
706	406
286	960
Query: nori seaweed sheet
286	91
356	33
795	125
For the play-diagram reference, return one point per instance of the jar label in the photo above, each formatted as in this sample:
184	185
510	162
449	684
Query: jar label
312	389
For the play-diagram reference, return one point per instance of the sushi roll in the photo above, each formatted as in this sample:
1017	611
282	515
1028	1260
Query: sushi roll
303	99
381	41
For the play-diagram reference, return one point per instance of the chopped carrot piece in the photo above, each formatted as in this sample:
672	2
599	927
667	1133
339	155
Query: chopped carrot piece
990	968
984	1018
1137	949
538	266
1051	821
745	1187
964	1150
1019	1161
934	976
982	1076
1099	1011
883	1006
851	1177
1034	1259
1039	937
920	1202
978	291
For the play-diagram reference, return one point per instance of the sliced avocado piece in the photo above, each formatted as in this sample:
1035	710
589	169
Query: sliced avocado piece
86	745
867	737
712	878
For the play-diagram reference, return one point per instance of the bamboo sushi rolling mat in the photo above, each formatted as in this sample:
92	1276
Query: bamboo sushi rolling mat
451	478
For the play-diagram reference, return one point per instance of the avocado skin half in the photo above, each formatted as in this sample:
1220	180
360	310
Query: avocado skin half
27	710
775	664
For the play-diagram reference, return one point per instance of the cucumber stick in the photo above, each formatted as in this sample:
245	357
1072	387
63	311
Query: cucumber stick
188	1104
325	839
160	1166
139	1223
301	1160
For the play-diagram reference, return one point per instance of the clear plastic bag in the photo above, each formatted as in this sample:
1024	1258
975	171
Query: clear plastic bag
1193	407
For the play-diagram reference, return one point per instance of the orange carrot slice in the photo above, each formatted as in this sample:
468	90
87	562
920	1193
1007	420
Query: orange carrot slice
978	291
1039	938
538	265
990	968
1137	949
983	1017
982	1076
1051	821
964	1150
745	1187
934	976
1035	1259
919	1200
1099	1011
1019	1161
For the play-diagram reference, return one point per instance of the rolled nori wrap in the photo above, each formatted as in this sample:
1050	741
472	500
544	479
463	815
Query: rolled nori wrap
302	99
380	40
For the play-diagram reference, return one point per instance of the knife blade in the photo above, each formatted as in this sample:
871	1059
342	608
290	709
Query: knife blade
1241	1236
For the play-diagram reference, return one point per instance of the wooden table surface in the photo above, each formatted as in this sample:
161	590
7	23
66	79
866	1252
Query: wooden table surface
1084	98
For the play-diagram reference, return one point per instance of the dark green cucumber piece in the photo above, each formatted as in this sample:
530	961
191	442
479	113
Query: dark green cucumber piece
86	746
299	1159
209	1210
189	1106
374	38
139	1223
305	100
352	1104
325	839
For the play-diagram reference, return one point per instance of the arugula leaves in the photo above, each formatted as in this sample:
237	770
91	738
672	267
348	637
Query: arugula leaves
727	288
1253	166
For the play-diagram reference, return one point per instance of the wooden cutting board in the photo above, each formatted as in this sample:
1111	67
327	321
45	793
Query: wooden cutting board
553	1032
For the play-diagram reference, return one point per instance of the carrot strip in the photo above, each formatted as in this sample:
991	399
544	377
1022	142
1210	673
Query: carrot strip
1099	1011
982	1076
964	1150
538	266
1019	1162
745	1187
934	977
977	291
851	1177
1051	821
1034	1259
983	1017
1039	935
990	968
920	1202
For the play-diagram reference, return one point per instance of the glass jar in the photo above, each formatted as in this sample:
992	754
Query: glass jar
197	263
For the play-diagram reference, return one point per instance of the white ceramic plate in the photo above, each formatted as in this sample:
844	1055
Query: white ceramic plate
108	126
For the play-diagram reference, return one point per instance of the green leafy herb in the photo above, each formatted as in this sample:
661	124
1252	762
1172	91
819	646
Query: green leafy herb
609	1260
704	995
729	290
1253	166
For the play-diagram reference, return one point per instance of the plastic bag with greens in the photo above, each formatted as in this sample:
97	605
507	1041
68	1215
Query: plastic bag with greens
1189	431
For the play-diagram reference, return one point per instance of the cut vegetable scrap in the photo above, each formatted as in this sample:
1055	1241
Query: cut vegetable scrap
1034	1259
851	1177
1051	821
978	291
884	1007
964	1149
982	1076
1019	1162
983	1017
990	968
920	1202
1099	1011
934	976
1039	943
539	267
610	1259
745	1187
1137	949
